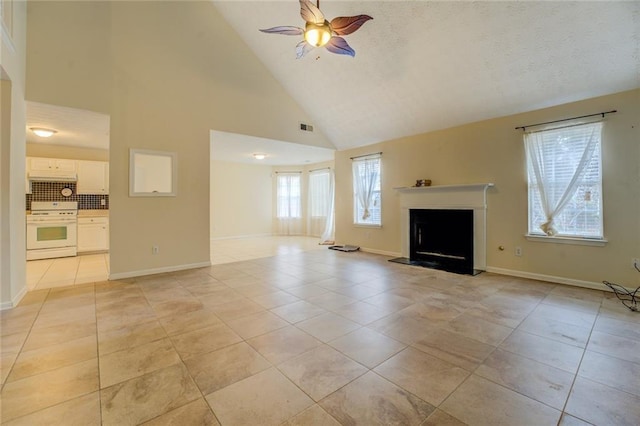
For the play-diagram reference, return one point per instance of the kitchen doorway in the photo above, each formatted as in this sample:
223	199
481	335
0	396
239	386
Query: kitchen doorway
67	180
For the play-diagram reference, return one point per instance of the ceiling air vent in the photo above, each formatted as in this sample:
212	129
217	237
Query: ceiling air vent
306	127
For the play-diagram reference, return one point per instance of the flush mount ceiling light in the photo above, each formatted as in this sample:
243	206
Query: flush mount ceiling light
259	156
42	132
319	32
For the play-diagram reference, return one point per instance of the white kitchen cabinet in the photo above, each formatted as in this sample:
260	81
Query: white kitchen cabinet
37	164
93	234
93	177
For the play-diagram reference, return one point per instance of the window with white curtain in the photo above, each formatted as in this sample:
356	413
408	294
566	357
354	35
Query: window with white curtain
367	203
288	194
320	198
565	181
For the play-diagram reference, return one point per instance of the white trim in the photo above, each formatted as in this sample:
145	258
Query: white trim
460	197
381	252
551	278
598	242
237	237
131	274
15	300
469	186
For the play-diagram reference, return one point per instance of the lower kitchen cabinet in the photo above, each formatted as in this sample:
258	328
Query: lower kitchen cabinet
93	234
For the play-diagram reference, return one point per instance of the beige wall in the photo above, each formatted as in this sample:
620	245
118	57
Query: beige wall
70	152
240	200
12	164
492	151
166	73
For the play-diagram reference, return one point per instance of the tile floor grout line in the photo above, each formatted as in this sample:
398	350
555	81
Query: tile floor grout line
584	351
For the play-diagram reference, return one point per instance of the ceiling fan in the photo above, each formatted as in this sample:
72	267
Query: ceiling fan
319	32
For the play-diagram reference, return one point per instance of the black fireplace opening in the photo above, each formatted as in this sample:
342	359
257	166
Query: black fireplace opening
442	239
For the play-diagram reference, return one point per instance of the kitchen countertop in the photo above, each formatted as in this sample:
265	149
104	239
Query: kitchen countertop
93	213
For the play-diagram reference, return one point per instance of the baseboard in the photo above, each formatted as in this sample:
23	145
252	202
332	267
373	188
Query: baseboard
549	278
381	252
237	237
14	300
139	273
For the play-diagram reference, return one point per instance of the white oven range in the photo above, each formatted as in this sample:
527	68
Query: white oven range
52	229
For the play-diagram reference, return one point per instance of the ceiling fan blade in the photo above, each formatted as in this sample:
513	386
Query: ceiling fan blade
344	25
340	46
310	13
302	49
284	30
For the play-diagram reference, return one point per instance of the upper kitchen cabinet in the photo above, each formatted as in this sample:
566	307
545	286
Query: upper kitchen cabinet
57	165
93	177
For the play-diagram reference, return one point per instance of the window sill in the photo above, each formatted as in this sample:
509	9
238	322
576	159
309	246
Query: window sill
598	242
366	225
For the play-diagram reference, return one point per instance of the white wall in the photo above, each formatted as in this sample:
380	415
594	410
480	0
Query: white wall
241	200
63	151
12	161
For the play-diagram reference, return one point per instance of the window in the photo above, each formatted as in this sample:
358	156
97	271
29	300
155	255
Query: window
320	201
565	181
367	206
288	196
319	193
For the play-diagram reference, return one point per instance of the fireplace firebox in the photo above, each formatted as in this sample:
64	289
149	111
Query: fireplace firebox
442	239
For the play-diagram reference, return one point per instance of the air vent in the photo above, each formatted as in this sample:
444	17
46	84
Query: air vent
306	127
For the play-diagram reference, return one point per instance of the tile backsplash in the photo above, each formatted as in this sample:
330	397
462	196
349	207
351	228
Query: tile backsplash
50	191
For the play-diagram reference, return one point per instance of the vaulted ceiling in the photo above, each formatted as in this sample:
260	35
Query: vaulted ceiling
422	65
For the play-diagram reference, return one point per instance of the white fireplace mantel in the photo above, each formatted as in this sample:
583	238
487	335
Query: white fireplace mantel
464	197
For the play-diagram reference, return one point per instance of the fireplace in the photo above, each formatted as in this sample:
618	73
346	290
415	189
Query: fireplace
442	239
466	204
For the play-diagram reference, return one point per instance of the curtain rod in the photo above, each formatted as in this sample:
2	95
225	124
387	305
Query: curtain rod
366	155
288	172
567	119
323	168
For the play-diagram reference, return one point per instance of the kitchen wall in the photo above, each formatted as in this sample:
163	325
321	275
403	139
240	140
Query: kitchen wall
493	151
12	166
50	191
164	90
240	202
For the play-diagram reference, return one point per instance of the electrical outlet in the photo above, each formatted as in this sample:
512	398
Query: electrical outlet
635	263
518	251
155	249
103	202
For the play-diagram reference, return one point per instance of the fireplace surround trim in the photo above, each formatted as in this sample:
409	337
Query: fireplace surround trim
464	197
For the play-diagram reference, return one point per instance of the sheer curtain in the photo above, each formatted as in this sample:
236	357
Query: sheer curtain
365	180
328	232
319	196
288	204
557	179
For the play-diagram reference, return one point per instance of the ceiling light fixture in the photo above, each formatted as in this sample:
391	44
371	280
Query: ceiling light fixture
259	156
42	132
319	32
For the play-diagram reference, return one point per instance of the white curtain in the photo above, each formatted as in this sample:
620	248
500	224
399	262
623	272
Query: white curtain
288	204
318	205
365	177
555	193
328	236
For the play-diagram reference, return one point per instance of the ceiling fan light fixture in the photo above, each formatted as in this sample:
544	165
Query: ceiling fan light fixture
258	156
42	132
317	35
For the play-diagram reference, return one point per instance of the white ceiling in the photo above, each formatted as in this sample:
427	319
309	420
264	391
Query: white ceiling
240	149
75	127
425	65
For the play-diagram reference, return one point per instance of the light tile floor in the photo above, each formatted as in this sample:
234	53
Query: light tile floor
320	338
67	271
88	268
